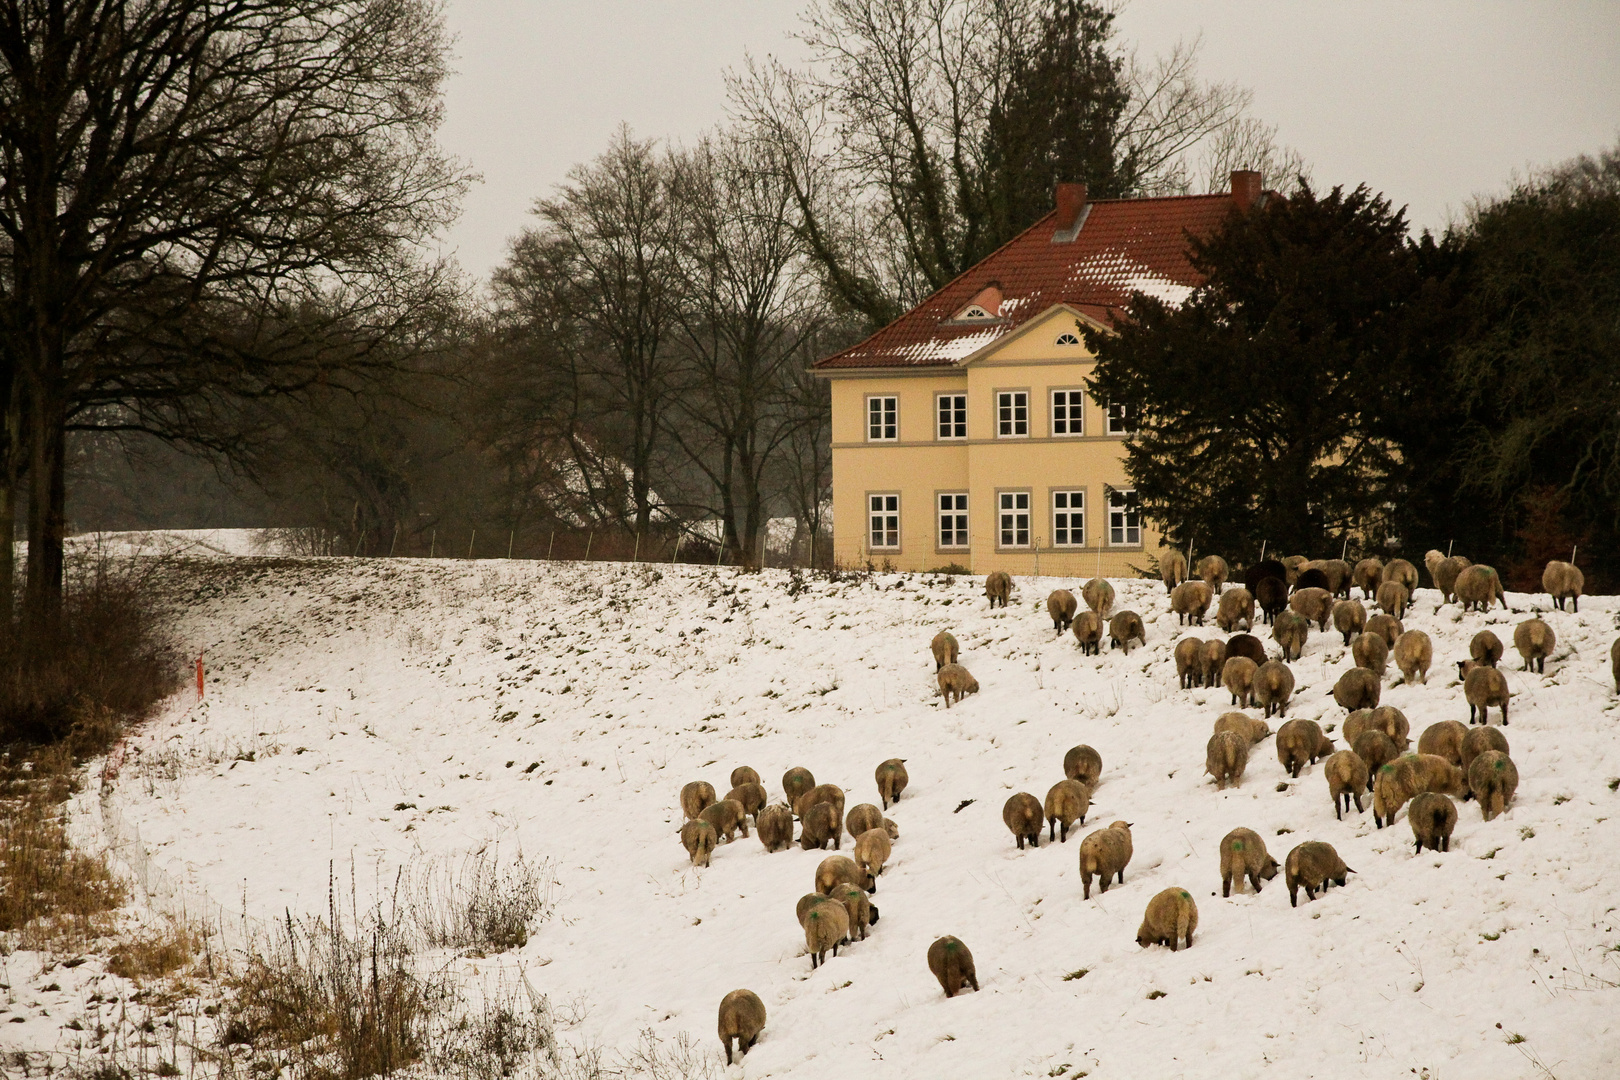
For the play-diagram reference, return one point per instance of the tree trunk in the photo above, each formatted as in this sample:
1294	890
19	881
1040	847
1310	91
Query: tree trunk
9	478
42	599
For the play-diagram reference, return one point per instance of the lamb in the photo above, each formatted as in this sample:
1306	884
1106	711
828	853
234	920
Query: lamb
1099	596
1290	632
1535	640
1414	652
775	827
1311	866
1084	764
892	779
1371	654
742	774
1368	576
1214	659
830	793
1477	586
1226	755
1087	629
1446	574
1349	618
1346	776
1432	816
1492	780
1246	645
1173	570
1252	730
1485	648
1212	568
825	926
863	817
795	782
1479	741
1104	854
1125	628
998	587
839	870
1402	573
699	838
1272	596
1339	574
1235	607
1387	627
1022	815
858	906
1170	917
1483	687
1393	598
954	681
1068	801
1061	605
952	965
751	796
1301	741
1563	581
1190	662
819	824
695	796
1190	601
1396	783
1243	854
1237	675
945	649
1273	686
1436	773
872	850
1375	749
742	1017
1445	739
1314	605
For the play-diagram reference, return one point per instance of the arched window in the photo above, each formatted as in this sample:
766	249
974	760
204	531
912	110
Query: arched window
974	313
1067	338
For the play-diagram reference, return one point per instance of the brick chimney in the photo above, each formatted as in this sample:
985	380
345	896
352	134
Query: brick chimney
1246	188
1071	207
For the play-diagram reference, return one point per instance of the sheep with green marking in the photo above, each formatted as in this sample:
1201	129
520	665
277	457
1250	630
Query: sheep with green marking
1171	917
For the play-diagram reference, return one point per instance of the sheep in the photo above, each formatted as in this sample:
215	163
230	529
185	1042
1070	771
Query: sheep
952	965
1293	566
1068	801
1022	816
1311	866
819	824
1393	598
1190	601
1339	574
699	838
1413	653
1437	773
863	817
1614	662
1432	816
1371	654
1173	570
831	793
838	870
1444	739
752	798
1170	917
1273	686
1446	574
1432	560
1237	675
1246	645
1301	741
1099	596
1313	605
862	913
1479	741
695	796
1124	628
1396	782
872	850
1243	854
742	1017
1387	627
998	587
1535	640
1235	607
1349	618
1290	632
1483	687
1492	780
1311	577
1252	730
954	680
1104	854
1375	749
1368	575
1485	648
1392	722
1477	586
1189	656
892	829
945	649
1226	755
1214	659
1272	596
795	782
810	900
1061	605
1087	629
1257	572
892	779
1084	764
775	827
825	926
1212	568
1400	572
1346	776
1563	581
742	774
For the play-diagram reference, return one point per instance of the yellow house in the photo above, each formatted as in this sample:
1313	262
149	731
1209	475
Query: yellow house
963	433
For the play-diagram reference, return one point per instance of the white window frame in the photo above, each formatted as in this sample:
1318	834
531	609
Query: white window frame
884	420
958	419
1074	500
1117	420
883	521
957	515
1074	413
1123	523
1008	428
1067	339
1013	519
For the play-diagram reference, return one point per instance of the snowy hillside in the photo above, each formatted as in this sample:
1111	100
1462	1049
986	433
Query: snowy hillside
362	686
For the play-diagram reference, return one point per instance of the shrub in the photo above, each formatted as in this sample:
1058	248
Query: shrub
481	905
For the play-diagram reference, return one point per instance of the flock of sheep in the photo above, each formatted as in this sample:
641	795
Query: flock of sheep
1452	759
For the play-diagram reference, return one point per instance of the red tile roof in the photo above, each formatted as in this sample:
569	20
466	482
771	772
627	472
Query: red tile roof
1124	246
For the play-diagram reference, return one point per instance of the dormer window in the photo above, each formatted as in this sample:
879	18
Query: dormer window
974	313
984	307
1068	338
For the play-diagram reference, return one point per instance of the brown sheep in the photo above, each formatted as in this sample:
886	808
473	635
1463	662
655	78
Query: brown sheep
838	870
795	782
1444	739
1436	773
1292	565
1346	776
1483	687
1486	648
1432	816
1214	659
775	827
1105	853
861	818
1349	618
872	850
742	774
998	587
1226	755
1311	576
1387	627
892	779
1339	574
1061	605
1432	560
1212	568
1477	586
1189	656
1368	576
1311	866
695	796
1236	607
1392	722
1022	816
1492	780
1563	581
1446	574
819	824
1299	742
1402	573
1535	640
1413	653
1171	916
1237	675
1273	686
952	965
1087	629
1252	730
1084	764
1370	653
752	798
1393	598
1375	750
742	1018
1477	742
1099	596
945	649
825	927
698	837
1290	631
831	793
1190	602
954	681
1272	596
858	906
1358	688
1125	628
1173	570
1396	782
1246	645
1243	854
1313	605
1068	801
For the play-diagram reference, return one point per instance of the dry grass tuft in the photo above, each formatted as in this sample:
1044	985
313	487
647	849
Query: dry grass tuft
156	952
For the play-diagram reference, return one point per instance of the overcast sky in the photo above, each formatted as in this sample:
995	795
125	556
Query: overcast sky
1430	102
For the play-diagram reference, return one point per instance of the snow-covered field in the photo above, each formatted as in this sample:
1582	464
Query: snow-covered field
559	708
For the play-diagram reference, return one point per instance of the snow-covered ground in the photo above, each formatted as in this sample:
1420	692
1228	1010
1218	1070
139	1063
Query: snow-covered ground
403	708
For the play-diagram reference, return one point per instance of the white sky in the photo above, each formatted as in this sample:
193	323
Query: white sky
1430	102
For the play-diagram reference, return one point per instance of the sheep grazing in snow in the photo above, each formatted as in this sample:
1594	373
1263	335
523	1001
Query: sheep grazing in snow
1061	605
1339	574
1432	816
1254	573
952	965
1236	607
742	1018
695	796
1273	686
818	825
1311	577
1237	675
825	927
751	796
1535	640
1105	854
1368	575
1402	573
1243	855
1375	750
1212	568
1478	586
945	649
795	782
1477	742
1485	648
1413	653
1313	605
1432	560
1386	718
1189	656
742	774
1294	565
1084	764
1349	618
1299	742
1125	628
954	681
1246	645
998	587
863	817
838	870
858	906
1087	629
1387	627
699	838
1346	776
1492	780
1173	569
810	900
1311	866
1252	730
1190	602
1214	659
1371	654
1272	596
1393	598
1171	916
829	793
872	850
1396	782
1437	773
892	829
775	827
1444	739
1290	632
1068	801
1446	574
1099	596
1023	818
1563	581
892	779
1482	688
1226	755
